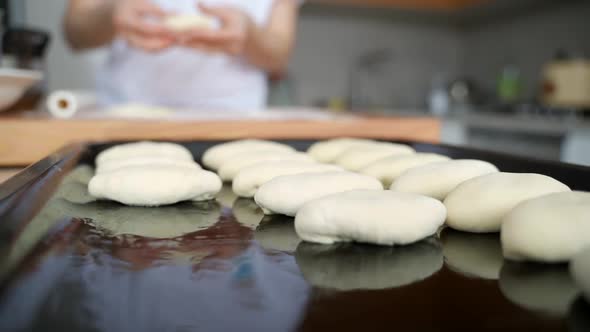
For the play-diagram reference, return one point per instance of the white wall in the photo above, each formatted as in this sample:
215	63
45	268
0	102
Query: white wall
65	69
328	45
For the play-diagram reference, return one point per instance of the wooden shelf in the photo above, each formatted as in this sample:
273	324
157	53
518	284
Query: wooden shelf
26	140
405	4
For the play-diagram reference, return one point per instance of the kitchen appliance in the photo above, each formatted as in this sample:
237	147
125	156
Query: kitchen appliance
566	84
55	269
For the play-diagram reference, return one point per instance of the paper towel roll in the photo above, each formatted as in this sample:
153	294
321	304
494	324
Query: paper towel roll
62	104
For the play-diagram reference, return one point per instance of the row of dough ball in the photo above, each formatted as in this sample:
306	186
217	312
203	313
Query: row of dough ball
151	174
540	219
476	205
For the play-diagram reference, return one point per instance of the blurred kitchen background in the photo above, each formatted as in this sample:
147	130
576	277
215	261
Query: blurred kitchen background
507	75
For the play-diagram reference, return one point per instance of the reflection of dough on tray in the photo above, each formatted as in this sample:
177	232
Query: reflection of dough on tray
578	318
353	266
545	288
478	255
277	233
74	187
226	196
113	220
580	270
247	212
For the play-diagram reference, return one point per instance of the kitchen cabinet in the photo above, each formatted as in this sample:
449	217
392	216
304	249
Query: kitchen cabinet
409	4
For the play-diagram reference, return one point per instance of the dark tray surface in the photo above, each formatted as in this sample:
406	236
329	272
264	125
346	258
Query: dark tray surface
244	273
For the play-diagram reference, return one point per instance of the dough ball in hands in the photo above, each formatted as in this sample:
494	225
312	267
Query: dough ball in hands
551	228
438	179
370	216
160	150
358	157
580	271
479	205
215	156
184	22
247	182
327	151
388	169
114	164
155	185
286	194
232	166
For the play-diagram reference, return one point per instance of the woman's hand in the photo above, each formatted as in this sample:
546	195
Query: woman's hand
230	38
136	21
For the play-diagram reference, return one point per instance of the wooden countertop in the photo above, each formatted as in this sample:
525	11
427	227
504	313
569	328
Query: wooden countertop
24	140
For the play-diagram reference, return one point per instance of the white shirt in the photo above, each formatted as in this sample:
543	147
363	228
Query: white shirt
186	78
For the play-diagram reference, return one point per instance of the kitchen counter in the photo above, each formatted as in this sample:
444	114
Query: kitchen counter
26	139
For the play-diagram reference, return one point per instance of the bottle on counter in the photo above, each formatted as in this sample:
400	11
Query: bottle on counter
439	101
510	84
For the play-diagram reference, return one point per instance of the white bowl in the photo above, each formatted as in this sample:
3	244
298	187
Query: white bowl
14	83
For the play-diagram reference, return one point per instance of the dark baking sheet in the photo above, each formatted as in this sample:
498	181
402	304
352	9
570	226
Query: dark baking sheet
238	272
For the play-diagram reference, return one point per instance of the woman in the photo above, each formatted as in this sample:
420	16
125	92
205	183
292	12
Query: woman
221	68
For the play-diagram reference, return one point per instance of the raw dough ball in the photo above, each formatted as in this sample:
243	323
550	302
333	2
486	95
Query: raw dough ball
144	149
478	205
232	166
358	157
580	271
286	194
328	151
215	156
390	168
247	182
473	255
544	288
182	22
114	164
247	212
438	179
162	223
155	185
277	233
352	266
370	216
550	228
